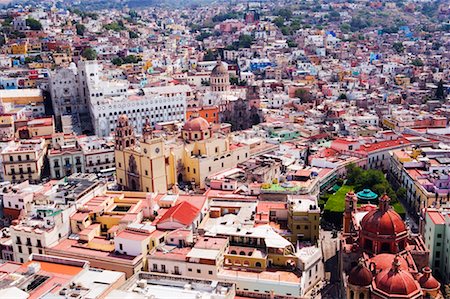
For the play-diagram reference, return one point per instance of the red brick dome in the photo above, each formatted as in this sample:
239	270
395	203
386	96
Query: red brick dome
360	275
384	261
395	282
427	281
196	124
383	221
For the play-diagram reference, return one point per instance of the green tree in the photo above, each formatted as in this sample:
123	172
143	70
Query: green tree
285	13
210	55
245	41
398	47
33	24
417	62
80	29
117	61
89	54
279	22
353	172
303	94
342	96
292	44
133	34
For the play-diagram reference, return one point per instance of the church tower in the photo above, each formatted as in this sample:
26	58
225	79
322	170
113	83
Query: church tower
147	131
124	137
220	79
351	202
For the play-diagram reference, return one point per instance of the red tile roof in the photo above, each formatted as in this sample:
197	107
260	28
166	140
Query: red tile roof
367	148
184	213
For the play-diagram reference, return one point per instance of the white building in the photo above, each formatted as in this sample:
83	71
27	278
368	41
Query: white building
159	104
98	153
65	156
43	228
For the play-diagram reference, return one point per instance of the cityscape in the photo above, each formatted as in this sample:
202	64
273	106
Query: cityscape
225	149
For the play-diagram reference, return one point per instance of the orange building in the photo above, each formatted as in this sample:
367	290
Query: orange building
210	113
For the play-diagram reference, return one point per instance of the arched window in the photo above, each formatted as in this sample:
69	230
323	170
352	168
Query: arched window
361	296
242	253
233	252
352	295
258	264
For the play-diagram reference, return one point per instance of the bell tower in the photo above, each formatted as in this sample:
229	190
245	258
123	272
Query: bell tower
147	130
124	137
351	202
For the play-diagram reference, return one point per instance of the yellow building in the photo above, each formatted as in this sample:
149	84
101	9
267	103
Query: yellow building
201	153
24	160
19	48
303	218
139	167
157	165
21	96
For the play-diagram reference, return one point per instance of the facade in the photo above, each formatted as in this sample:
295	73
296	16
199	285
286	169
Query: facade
303	218
201	153
24	160
65	93
139	168
192	158
65	157
98	154
43	229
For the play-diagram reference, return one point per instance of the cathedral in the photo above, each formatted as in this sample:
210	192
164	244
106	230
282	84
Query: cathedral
379	259
140	164
187	157
238	107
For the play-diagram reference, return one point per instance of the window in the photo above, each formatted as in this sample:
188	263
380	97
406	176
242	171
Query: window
155	267
190	269
163	268
20	249
210	272
439	235
120	246
199	271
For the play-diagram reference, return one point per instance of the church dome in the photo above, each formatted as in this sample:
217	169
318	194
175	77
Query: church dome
384	261
219	70
427	281
360	275
196	124
395	282
383	221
